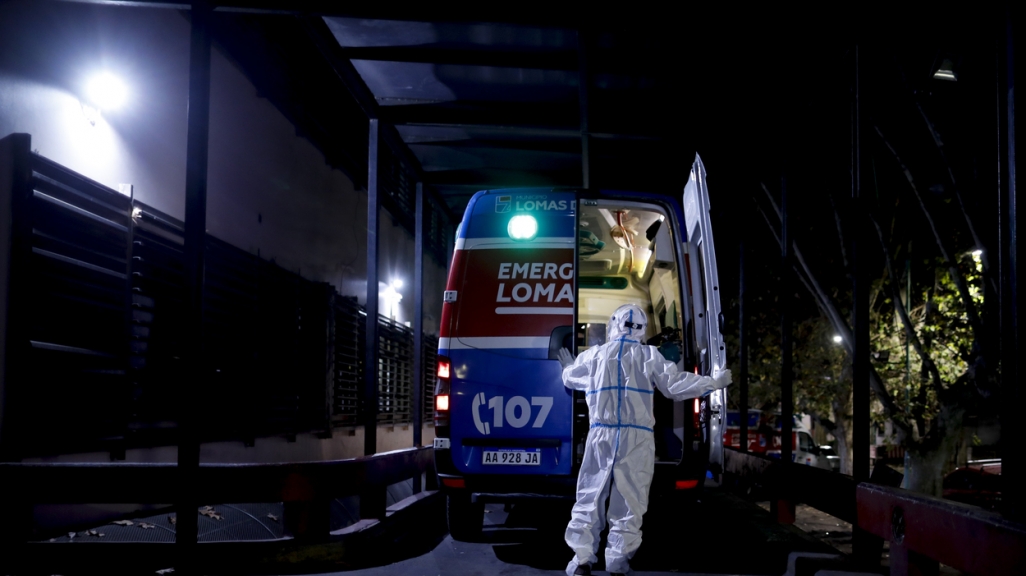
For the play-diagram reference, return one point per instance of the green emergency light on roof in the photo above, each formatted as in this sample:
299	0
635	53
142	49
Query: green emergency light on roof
522	227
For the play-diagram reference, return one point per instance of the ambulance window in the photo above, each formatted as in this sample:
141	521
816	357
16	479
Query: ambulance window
804	442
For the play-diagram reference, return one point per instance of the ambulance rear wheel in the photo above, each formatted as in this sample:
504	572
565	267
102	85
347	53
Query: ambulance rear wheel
465	517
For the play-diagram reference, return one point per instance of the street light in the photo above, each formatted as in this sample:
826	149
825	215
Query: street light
837	339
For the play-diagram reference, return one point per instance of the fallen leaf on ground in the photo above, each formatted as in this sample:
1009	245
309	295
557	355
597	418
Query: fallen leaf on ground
53	539
166	571
272	517
210	513
71	535
146	526
171	519
123	522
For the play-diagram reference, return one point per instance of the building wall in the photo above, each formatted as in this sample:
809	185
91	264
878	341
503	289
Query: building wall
269	192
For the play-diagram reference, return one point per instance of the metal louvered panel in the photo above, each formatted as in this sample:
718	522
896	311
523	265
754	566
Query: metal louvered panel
428	378
436	234
348	348
156	335
398	186
98	348
76	287
395	372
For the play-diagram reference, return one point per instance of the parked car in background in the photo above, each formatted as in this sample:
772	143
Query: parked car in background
827	452
766	442
978	483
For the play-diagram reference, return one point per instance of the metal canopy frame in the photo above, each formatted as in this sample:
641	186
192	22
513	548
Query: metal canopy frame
651	140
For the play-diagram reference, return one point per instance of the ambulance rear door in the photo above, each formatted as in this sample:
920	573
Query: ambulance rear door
708	318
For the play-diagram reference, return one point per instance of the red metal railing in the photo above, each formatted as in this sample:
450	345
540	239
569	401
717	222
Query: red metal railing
923	531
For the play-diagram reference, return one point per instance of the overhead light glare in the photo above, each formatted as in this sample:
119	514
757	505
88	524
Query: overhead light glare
946	71
106	91
522	227
837	339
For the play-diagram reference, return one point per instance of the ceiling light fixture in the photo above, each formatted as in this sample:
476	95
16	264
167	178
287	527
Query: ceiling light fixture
946	71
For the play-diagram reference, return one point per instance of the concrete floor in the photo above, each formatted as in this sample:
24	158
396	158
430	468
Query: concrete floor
717	534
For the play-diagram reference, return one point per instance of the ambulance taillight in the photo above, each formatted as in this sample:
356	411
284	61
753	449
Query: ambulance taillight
441	412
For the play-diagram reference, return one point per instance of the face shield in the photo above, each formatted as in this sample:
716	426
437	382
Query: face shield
629	321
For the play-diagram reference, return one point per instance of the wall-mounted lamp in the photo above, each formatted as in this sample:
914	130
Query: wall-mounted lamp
393	298
103	92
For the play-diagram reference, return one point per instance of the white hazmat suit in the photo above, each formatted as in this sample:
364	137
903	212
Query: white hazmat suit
619	379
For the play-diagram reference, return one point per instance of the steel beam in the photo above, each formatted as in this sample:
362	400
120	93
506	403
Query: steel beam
860	291
742	328
538	131
1013	466
786	341
370	354
197	140
418	319
552	59
583	81
535	115
484	13
351	79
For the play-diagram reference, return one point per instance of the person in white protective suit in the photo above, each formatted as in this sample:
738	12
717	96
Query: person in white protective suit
619	379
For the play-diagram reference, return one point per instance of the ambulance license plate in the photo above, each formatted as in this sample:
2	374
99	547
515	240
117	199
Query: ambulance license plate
512	457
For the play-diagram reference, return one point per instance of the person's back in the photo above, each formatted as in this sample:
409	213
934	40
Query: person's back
619	379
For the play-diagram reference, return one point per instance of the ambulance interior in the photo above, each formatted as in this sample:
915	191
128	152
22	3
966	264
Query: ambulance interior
626	255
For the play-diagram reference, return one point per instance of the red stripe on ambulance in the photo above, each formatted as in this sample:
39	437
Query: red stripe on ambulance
510	292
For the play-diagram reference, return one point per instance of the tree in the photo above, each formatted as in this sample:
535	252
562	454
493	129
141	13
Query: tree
944	328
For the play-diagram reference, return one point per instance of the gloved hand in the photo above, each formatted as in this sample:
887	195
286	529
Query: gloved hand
722	378
564	357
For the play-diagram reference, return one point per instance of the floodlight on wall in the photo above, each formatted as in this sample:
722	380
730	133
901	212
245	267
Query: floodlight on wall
946	71
392	298
104	92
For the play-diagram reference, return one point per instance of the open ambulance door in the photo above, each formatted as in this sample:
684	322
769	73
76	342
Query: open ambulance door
708	319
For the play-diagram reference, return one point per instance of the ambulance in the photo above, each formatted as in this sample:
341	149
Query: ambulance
536	270
803	448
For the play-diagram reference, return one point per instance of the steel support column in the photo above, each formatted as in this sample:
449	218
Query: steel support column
370	354
418	319
786	342
197	140
1013	465
583	80
860	293
783	510
742	328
